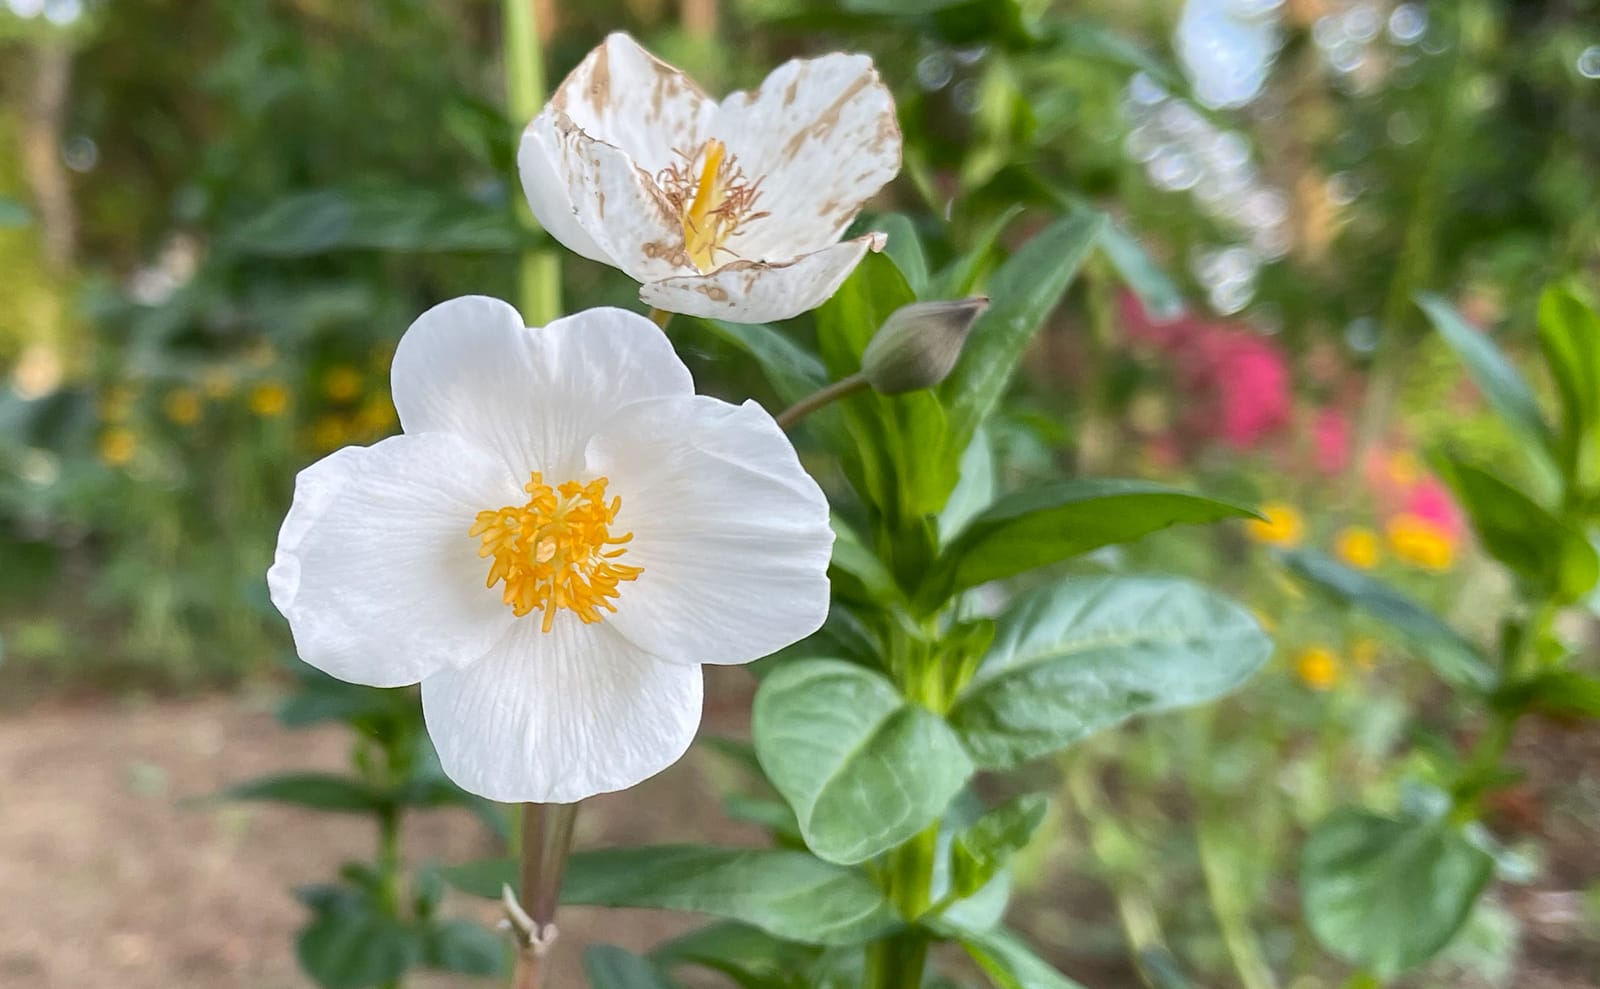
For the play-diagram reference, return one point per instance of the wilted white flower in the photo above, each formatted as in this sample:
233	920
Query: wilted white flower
730	209
562	535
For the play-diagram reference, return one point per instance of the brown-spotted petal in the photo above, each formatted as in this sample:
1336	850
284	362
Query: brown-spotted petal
762	291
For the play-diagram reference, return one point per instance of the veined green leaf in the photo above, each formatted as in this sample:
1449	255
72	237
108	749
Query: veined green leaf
863	769
1049	523
1087	653
1022	293
1389	894
788	894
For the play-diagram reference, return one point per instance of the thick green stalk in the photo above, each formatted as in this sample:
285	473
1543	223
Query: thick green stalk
898	962
538	269
389	869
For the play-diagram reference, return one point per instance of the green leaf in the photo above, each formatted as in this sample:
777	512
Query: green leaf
319	791
957	279
856	572
1451	655
1388	894
904	248
1156	292
983	848
898	8
1552	557
792	371
1086	653
1022	293
13	214
975	490
354	946
1090	39
1569	332
611	967
863	769
788	894
1007	961
897	455
748	956
420	220
1562	693
773	815
462	946
1049	523
1502	386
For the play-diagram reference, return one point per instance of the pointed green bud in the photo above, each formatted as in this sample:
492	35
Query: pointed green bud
918	344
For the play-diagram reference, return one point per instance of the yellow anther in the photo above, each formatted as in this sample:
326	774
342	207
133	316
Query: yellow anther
557	551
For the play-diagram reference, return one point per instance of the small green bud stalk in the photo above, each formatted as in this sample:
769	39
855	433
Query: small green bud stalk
916	347
919	344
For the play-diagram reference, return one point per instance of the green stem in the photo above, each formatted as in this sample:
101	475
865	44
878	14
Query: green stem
817	399
1228	906
389	869
538	269
898	962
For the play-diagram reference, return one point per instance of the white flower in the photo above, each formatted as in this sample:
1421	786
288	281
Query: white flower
732	209
562	535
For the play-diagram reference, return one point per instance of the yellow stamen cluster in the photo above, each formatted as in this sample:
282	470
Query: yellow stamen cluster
557	551
712	201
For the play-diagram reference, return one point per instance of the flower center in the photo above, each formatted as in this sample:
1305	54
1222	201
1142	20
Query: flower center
712	201
557	551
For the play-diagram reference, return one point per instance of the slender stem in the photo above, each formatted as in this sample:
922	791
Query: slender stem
546	839
816	400
538	269
1227	905
546	833
389	868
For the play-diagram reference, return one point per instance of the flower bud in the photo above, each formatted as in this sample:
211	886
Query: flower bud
918	344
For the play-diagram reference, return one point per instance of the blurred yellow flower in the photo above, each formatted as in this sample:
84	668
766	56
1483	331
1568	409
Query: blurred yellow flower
269	399
329	432
1421	543
341	383
182	406
1283	525
118	445
218	382
1317	667
1358	546
376	414
1364	652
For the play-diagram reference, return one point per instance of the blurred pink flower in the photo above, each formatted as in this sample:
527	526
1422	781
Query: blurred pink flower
1430	500
1330	436
1233	385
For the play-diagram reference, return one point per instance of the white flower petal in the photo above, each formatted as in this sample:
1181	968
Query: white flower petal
549	194
554	717
761	292
375	571
822	137
731	531
633	101
615	202
470	367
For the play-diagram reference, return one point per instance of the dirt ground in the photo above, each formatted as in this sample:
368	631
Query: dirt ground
116	872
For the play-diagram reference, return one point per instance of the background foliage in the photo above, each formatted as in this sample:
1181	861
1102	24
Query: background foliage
210	248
